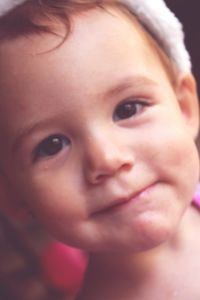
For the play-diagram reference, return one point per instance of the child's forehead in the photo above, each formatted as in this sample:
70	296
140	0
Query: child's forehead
99	43
116	17
105	27
111	30
156	17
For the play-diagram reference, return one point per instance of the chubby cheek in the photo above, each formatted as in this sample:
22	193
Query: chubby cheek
56	203
173	156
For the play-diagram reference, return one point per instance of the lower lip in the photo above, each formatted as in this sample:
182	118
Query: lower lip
115	208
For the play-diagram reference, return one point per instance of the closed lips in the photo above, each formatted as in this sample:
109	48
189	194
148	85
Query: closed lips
121	202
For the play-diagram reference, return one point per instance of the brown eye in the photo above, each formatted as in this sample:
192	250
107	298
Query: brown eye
51	146
128	109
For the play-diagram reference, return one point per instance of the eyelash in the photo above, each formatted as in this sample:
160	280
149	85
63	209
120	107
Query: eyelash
50	147
132	107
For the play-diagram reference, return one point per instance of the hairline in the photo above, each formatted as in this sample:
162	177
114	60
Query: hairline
46	26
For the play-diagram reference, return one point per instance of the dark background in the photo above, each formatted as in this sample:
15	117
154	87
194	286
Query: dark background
188	11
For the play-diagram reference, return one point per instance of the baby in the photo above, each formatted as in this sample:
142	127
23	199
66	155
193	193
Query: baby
98	121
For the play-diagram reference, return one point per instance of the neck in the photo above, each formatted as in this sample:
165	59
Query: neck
138	271
137	261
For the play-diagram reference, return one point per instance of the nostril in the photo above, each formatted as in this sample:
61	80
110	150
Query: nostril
126	166
104	160
102	177
97	177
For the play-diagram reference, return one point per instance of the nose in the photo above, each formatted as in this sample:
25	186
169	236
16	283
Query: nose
105	158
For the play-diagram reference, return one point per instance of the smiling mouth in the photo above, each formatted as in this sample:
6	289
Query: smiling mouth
112	208
120	203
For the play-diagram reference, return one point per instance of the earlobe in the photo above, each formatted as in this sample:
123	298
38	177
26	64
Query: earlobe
188	100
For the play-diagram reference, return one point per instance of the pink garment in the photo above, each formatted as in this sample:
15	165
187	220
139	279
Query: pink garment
63	266
196	198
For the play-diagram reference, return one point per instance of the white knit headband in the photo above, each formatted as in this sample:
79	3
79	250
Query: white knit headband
155	16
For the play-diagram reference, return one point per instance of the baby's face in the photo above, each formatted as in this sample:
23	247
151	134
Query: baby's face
94	138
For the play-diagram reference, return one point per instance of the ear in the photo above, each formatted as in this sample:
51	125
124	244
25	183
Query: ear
10	203
188	100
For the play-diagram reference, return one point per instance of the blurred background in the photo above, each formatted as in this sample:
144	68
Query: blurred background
35	267
188	13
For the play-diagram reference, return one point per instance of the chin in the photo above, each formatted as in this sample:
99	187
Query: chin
156	232
150	238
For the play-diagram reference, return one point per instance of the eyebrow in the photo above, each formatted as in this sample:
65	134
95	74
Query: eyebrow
131	81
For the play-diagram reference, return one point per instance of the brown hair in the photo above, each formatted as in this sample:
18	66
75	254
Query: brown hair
26	18
39	16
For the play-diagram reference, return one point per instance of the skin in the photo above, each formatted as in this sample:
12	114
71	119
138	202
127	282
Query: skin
127	164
